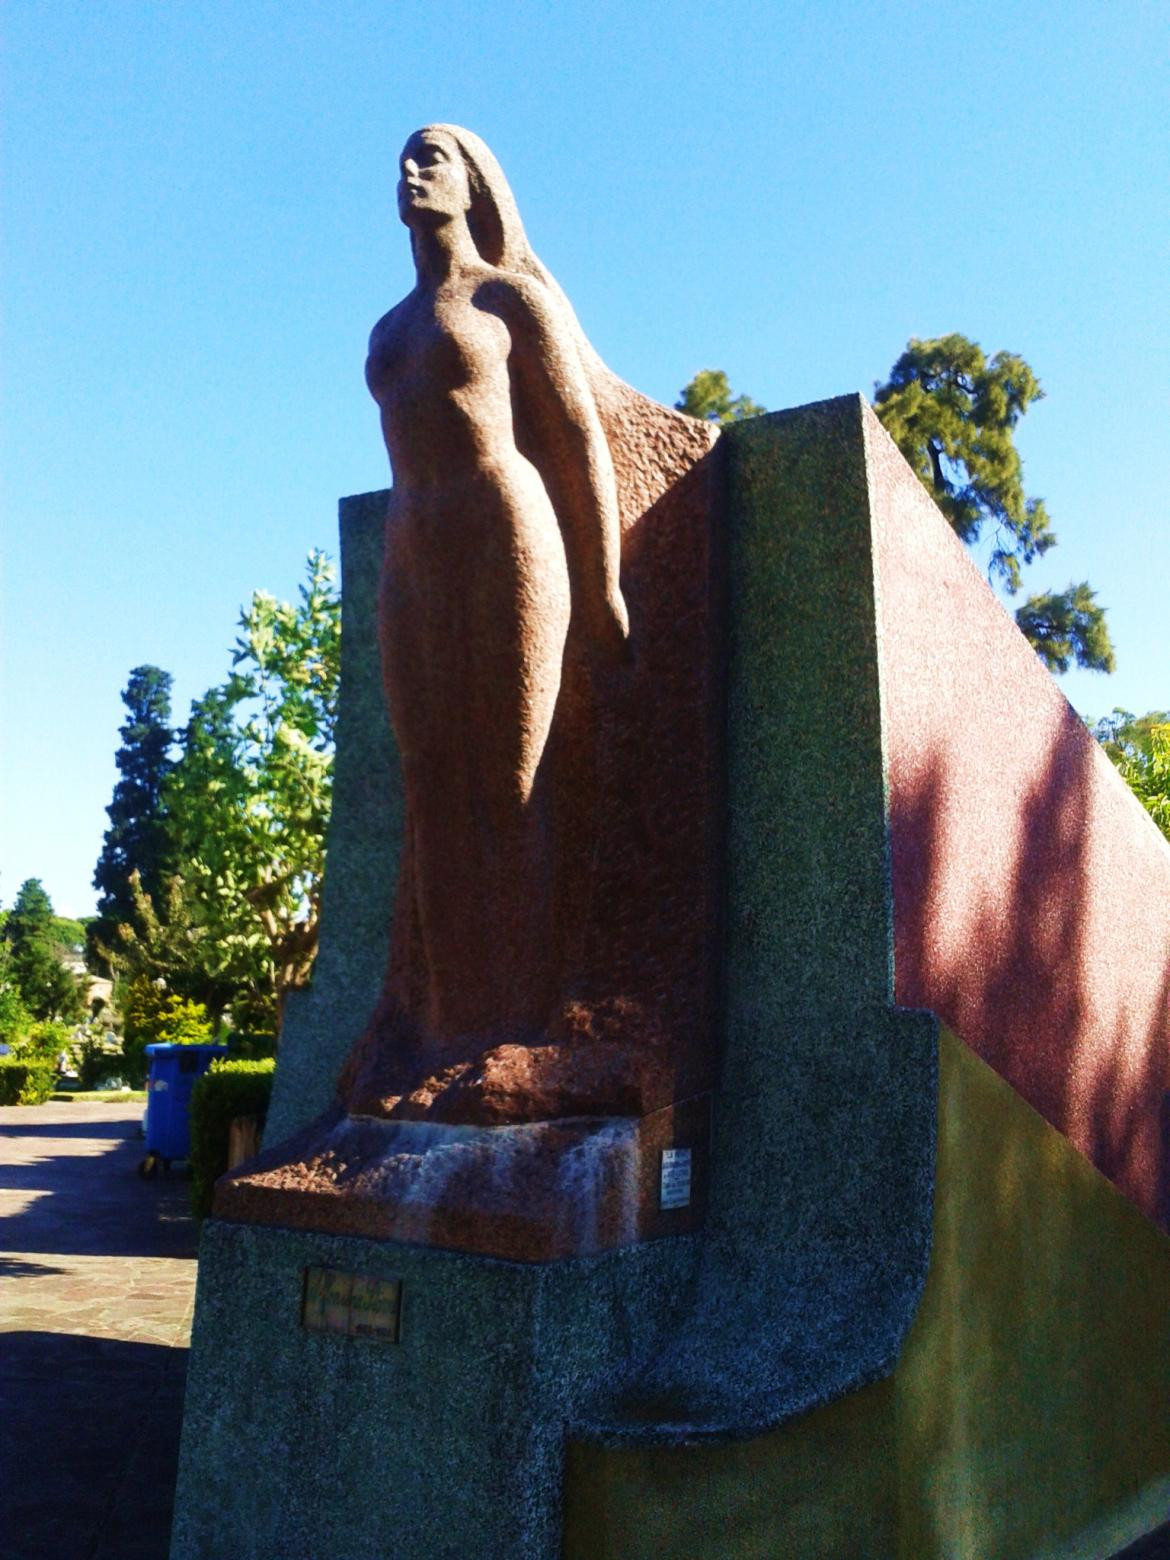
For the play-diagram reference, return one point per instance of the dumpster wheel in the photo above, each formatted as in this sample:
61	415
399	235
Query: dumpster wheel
148	1167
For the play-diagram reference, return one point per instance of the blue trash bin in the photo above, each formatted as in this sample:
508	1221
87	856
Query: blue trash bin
173	1071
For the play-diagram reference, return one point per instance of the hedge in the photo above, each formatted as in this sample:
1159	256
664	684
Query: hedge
25	1082
252	1044
228	1089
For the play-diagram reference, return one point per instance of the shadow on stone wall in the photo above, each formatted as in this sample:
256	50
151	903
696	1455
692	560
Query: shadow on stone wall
1061	997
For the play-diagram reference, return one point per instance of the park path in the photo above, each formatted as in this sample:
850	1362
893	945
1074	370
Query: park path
97	1284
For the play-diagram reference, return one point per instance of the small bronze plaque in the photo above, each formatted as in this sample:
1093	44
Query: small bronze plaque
352	1303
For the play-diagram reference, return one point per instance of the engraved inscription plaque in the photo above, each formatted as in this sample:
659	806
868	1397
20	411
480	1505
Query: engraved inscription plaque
352	1304
674	1187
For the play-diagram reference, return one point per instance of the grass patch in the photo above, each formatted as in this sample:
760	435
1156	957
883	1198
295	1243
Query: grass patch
100	1096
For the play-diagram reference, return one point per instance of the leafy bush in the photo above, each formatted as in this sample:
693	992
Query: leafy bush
151	1016
96	1063
229	1089
25	1080
183	1023
252	1044
48	1038
15	1018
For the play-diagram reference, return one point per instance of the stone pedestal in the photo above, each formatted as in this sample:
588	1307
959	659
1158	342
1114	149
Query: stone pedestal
449	1443
804	1276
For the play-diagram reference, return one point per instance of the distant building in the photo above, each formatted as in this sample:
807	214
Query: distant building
97	988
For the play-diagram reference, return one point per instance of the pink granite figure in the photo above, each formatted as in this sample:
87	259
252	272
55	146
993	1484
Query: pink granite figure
507	660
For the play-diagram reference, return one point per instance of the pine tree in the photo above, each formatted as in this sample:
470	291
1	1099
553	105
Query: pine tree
136	838
709	397
953	413
46	988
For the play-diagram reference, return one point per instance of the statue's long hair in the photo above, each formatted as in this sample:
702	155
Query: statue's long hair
645	438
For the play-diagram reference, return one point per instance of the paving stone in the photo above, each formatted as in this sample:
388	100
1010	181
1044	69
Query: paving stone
97	1283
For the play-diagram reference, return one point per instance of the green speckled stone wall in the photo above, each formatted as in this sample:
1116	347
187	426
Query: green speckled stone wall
818	1228
322	1023
1026	1418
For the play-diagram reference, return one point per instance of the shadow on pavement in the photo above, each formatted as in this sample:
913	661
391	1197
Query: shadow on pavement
14	1267
88	1199
118	1128
89	1443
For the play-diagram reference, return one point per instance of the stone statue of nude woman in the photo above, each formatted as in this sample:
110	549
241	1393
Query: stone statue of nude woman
526	977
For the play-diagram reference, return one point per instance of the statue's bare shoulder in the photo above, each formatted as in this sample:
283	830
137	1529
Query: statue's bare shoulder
525	303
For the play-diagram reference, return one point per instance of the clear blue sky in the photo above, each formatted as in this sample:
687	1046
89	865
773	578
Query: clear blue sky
199	231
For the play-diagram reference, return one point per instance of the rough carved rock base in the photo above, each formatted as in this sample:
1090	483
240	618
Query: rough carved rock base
529	1193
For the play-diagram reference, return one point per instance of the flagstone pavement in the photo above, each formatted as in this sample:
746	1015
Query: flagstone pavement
97	1285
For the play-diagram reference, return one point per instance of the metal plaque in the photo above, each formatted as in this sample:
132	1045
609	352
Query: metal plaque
352	1303
674	1187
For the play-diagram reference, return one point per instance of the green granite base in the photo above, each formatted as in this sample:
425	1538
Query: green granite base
319	1446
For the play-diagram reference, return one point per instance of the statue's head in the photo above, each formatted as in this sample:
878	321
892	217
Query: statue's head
446	173
434	180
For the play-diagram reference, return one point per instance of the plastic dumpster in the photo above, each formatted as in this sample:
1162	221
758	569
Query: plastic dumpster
173	1071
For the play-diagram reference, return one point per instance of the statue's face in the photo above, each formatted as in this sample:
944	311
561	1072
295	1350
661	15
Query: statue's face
433	182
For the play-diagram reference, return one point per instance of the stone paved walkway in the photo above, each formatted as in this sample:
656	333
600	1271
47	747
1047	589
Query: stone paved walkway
97	1283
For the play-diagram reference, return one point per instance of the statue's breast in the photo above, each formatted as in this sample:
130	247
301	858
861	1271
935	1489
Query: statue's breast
423	353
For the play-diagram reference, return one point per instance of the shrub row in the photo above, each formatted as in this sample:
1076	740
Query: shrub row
25	1080
229	1089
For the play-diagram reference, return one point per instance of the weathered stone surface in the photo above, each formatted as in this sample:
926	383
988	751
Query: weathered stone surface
805	1278
806	1273
444	1446
532	1192
1026	1414
817	1232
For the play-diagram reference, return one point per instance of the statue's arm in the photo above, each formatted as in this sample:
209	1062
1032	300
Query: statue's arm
571	453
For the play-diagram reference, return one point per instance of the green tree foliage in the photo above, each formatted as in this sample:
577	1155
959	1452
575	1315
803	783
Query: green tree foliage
48	1037
1064	626
136	840
953	413
152	1015
167	941
1140	747
709	397
25	1080
31	914
33	966
246	806
69	934
15	1018
180	1022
